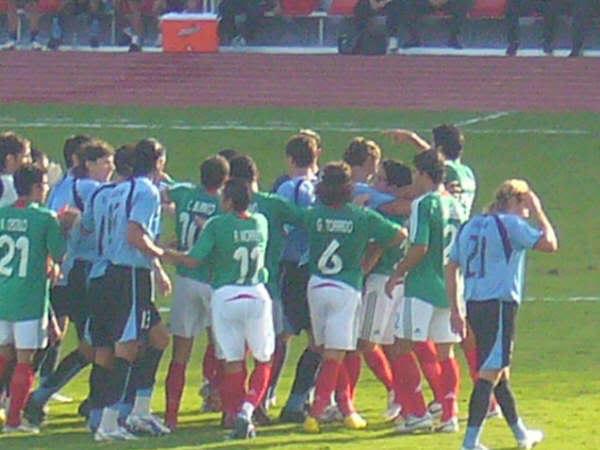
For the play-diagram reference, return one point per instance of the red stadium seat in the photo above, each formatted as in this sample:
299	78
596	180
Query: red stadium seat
488	8
48	6
298	7
342	7
3	6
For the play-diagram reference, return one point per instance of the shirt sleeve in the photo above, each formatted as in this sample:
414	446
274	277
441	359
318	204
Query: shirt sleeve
521	234
143	208
290	214
381	229
205	243
87	218
56	240
419	223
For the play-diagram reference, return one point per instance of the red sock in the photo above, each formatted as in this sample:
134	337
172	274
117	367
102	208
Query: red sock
471	356
232	392
451	380
20	387
380	366
426	353
173	391
408	379
343	391
352	362
219	373
209	364
259	380
326	383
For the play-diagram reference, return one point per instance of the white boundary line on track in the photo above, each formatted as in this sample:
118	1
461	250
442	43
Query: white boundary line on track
7	122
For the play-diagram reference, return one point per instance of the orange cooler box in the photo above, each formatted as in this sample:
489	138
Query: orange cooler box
190	32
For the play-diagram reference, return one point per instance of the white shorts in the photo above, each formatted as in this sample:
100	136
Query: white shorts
334	313
26	334
243	315
378	313
190	310
419	321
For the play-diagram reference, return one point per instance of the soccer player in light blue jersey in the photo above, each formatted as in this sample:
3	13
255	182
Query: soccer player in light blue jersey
129	314
490	253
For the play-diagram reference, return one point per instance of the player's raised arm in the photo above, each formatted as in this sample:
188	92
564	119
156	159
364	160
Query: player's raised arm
548	242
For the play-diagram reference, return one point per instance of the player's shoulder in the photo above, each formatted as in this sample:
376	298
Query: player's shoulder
42	212
182	186
145	185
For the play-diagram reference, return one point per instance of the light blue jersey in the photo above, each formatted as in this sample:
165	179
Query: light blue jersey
136	200
376	198
490	250
61	194
94	222
299	191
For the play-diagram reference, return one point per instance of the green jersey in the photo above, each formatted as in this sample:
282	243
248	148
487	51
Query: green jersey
434	222
28	236
193	206
279	212
235	246
392	255
338	239
457	171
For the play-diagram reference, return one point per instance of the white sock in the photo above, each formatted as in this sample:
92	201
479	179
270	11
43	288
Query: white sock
247	410
109	420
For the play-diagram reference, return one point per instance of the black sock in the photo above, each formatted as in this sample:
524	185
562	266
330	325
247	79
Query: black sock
48	363
480	402
306	372
282	347
7	376
506	400
99	379
70	366
144	371
118	378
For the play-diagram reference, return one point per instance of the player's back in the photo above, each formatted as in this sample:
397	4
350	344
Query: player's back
491	251
434	222
238	249
28	235
338	238
136	200
193	206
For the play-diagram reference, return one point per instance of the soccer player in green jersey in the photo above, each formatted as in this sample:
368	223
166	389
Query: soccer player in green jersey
338	234
235	244
279	213
29	234
190	310
425	314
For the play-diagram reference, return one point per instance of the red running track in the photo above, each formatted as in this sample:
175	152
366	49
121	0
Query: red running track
310	81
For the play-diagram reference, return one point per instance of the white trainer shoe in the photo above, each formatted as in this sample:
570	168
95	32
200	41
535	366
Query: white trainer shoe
147	423
24	427
8	45
533	438
449	426
412	424
392	45
435	409
119	434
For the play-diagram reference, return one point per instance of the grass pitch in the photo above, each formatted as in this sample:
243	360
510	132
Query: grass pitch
556	358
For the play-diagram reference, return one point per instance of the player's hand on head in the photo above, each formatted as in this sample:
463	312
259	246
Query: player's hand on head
399	135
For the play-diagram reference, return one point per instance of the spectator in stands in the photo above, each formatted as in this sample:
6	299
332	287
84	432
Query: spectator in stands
69	8
412	10
240	19
550	10
365	10
31	7
132	9
583	13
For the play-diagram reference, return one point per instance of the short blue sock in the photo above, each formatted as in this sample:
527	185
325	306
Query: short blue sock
472	437
519	430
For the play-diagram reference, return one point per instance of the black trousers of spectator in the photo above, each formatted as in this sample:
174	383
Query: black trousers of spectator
363	14
251	11
550	10
411	10
584	12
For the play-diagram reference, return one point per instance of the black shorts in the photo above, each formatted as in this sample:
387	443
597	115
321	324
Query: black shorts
493	324
294	282
124	308
71	300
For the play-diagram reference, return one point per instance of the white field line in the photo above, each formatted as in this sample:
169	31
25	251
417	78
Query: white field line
11	123
527	299
479	119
